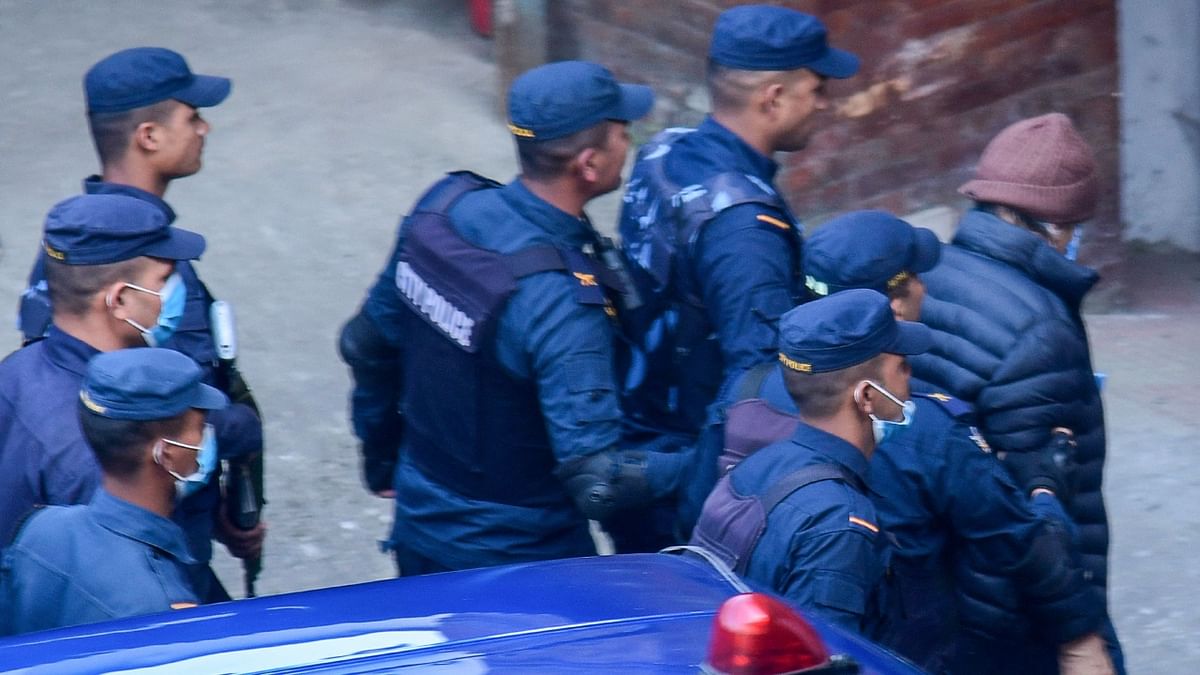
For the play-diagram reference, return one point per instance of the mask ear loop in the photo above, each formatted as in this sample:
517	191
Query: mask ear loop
889	395
158	455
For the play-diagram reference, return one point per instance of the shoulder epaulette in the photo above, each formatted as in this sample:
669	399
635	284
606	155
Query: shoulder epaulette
953	406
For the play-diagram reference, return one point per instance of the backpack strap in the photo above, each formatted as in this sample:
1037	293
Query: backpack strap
18	526
785	486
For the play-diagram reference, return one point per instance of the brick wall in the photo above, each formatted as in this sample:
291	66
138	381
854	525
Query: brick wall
939	79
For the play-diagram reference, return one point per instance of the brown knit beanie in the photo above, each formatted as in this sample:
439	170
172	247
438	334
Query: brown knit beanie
1040	166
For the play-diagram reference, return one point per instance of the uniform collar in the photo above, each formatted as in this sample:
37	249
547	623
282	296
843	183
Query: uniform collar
134	522
983	233
562	226
832	448
67	352
94	185
749	160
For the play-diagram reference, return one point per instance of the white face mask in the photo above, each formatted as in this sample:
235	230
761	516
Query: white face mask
885	429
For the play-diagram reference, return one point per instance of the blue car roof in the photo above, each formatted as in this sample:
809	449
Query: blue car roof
649	613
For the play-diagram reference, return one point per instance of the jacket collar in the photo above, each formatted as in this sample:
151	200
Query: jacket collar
94	185
748	159
983	233
134	522
563	227
67	352
833	448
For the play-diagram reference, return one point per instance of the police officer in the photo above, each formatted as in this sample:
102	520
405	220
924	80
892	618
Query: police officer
110	264
959	521
143	413
143	113
712	244
483	356
844	367
1004	307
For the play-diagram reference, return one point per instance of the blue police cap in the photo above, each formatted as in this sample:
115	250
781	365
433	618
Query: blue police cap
102	229
559	99
763	37
867	249
142	76
146	384
846	329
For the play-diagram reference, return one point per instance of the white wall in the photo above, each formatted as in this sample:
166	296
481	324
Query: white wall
1159	44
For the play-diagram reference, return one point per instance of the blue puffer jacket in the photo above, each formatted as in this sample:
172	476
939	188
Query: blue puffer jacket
1008	338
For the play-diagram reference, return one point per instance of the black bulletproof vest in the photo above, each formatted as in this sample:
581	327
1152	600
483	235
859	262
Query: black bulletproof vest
469	424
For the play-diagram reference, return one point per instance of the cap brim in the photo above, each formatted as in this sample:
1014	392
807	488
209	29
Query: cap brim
836	63
911	338
928	250
205	91
209	398
636	101
179	245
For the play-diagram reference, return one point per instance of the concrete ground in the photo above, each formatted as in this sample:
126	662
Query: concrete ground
342	112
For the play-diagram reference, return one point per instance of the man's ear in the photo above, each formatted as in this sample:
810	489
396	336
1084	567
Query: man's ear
145	136
768	97
864	397
115	300
586	163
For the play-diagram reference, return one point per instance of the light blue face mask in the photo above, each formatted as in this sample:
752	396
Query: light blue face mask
1073	246
886	429
206	462
174	297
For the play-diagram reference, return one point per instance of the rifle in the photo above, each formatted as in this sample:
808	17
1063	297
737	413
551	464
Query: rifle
244	493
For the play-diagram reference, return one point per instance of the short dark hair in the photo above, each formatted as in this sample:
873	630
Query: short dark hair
543	160
72	287
111	130
119	444
730	88
818	395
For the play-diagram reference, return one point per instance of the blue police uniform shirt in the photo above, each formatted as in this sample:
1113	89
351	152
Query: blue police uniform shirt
821	548
940	496
238	428
50	576
743	301
43	456
544	335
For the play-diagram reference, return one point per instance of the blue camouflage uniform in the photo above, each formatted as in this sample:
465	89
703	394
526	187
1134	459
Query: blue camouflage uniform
739	303
238	427
703	220
50	577
492	443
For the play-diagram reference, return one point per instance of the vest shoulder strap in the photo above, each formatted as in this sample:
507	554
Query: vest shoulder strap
442	194
785	486
752	381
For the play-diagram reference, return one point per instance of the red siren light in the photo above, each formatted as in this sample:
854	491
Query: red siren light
756	634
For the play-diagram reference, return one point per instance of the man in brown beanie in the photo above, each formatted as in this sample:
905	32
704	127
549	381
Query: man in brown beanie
1003	305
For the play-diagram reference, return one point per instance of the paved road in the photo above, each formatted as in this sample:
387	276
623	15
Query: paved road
341	114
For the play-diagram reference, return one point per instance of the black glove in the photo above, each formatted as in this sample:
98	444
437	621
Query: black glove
378	472
1051	467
